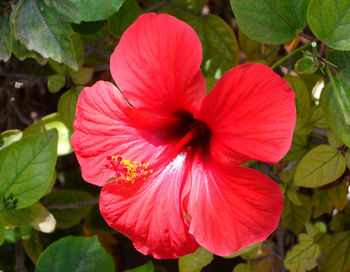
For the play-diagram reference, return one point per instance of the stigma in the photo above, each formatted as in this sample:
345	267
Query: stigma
126	171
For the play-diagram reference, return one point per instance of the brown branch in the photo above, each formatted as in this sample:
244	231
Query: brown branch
92	49
20	257
280	247
73	205
156	6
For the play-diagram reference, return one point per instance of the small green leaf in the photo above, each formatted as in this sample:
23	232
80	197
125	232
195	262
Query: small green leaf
320	166
341	59
303	256
33	246
67	104
2	232
5	38
120	21
27	167
335	115
329	20
306	65
337	254
196	261
21	217
55	83
148	267
53	121
318	119
79	254
10	136
67	217
270	21
40	28
294	217
294	197
76	11
83	76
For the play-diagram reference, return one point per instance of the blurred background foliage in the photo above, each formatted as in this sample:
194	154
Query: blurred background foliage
51	49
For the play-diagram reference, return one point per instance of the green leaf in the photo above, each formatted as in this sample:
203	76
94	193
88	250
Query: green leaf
302	95
196	261
220	47
339	58
334	140
248	252
329	20
33	246
40	28
256	51
270	21
76	11
83	76
120	21
303	256
320	166
325	200
53	121
10	136
21	217
148	267
5	38
244	267
294	217
306	65
67	217
2	232
318	119
87	28
79	254
27	167
67	104
55	83
334	114
337	252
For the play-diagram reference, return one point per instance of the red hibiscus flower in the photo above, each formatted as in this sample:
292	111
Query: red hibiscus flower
170	163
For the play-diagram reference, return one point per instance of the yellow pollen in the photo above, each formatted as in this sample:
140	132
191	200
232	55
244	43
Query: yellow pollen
126	171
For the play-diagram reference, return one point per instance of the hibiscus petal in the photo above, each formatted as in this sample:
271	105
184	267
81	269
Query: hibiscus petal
102	129
150	213
232	209
251	111
157	64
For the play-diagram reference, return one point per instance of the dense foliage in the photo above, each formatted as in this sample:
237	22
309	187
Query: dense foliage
51	49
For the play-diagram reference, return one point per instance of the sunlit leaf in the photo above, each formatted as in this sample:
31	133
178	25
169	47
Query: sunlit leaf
329	20
303	256
83	76
244	267
320	166
80	254
53	121
10	136
2	232
27	167
196	261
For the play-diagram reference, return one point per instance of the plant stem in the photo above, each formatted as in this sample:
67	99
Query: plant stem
285	58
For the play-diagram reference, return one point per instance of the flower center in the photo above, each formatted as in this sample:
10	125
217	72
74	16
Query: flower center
126	171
